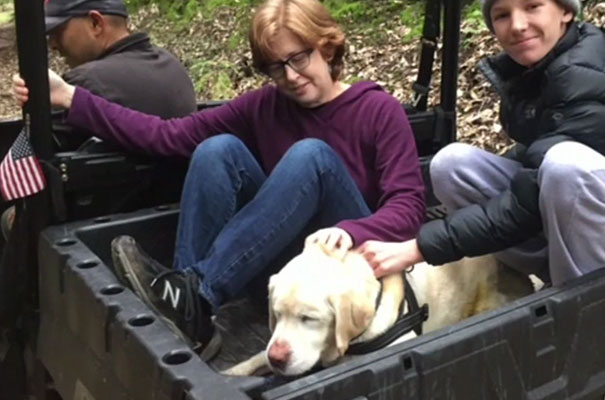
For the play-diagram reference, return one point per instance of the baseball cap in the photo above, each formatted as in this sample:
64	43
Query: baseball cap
59	11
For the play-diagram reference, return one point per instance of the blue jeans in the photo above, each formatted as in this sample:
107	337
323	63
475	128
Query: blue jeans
235	221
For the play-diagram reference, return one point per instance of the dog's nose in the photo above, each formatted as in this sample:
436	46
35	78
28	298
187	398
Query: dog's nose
279	354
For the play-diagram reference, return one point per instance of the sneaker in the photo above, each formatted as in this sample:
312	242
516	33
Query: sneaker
170	293
6	221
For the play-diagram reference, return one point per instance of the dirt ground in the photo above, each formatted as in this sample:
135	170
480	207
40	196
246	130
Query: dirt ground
8	66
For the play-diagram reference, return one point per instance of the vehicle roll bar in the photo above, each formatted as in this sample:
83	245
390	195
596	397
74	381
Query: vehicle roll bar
33	65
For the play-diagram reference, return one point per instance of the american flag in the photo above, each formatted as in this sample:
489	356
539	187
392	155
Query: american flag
20	172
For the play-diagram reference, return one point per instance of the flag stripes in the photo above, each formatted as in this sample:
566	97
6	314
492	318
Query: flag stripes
20	172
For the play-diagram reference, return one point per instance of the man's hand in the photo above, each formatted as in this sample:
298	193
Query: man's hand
61	93
20	91
390	257
333	239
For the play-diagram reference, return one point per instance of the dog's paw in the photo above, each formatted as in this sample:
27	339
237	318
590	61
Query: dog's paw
248	367
238	370
385	317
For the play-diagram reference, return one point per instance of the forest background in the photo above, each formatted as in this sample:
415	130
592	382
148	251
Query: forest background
383	45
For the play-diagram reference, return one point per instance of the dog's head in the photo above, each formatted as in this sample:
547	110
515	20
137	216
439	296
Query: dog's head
317	304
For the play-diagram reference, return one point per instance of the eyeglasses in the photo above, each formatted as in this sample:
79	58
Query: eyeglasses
297	62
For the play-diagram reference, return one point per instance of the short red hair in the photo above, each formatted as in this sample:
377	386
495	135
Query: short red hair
308	20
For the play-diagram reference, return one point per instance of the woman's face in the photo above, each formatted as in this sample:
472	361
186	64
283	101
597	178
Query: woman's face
311	85
529	29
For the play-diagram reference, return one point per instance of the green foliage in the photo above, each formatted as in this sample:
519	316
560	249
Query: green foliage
347	10
179	12
473	22
215	75
7	12
6	17
370	19
210	6
182	12
371	16
236	40
351	80
413	17
368	14
132	5
473	16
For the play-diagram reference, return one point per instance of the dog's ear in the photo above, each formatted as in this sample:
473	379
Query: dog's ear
352	314
272	318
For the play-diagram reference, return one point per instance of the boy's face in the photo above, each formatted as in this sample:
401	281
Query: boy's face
529	29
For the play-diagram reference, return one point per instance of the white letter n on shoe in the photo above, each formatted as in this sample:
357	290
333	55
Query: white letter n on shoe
169	291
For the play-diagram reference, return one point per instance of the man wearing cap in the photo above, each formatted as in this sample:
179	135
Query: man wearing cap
93	37
541	208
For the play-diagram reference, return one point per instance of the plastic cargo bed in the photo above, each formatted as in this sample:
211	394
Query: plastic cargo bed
99	341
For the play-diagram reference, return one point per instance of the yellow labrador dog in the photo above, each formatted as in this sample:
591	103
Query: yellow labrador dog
319	303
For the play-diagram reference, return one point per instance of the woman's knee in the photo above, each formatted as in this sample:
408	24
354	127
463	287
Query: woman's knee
216	148
309	151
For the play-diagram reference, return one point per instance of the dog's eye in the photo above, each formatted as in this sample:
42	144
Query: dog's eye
306	318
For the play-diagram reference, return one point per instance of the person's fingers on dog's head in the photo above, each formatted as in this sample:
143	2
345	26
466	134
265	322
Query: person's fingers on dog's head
332	240
341	250
345	244
311	239
308	240
346	240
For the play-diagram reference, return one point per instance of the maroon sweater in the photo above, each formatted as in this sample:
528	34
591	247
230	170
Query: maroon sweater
367	127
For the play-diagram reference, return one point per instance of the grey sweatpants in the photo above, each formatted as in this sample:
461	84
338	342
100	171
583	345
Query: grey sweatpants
572	204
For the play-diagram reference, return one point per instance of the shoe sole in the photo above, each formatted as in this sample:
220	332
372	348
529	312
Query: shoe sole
128	274
118	262
137	286
213	346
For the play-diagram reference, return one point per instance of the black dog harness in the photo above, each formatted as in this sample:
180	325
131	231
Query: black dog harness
405	323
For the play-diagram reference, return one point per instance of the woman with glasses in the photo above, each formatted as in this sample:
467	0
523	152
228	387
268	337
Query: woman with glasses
308	157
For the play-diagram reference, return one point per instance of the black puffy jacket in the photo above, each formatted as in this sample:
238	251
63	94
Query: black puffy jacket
561	98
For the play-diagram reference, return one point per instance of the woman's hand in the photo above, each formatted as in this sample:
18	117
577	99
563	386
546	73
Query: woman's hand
61	93
333	239
390	257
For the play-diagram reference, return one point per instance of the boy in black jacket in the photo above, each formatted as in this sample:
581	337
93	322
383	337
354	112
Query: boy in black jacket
541	208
